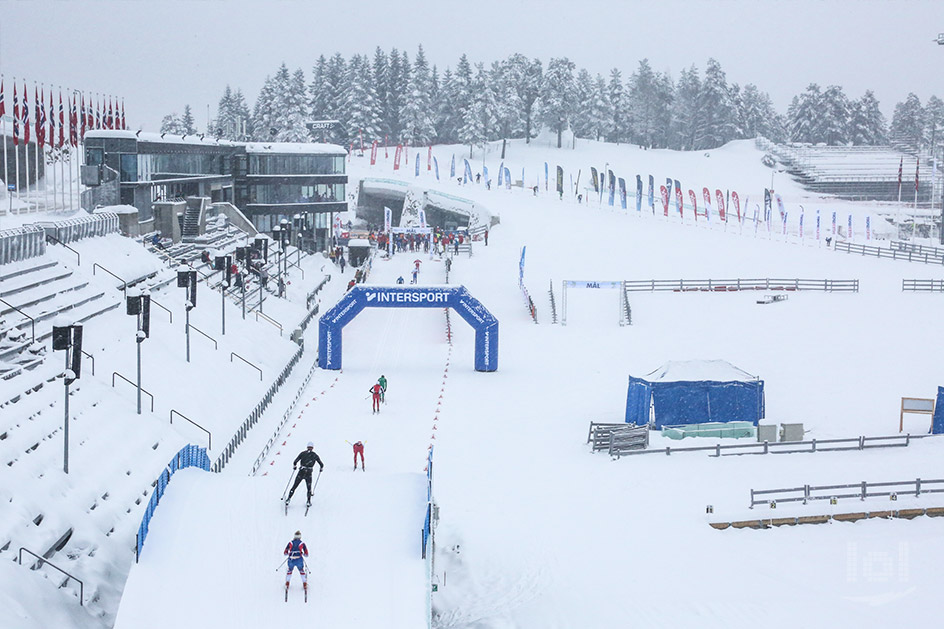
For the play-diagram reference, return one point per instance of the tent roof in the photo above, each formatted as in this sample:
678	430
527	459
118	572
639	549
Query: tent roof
699	370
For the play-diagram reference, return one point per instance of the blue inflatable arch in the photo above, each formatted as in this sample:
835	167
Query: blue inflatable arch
455	297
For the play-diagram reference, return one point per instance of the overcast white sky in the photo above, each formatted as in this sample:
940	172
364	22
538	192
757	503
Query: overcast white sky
161	54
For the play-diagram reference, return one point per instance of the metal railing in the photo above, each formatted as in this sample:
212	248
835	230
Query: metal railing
739	284
907	246
923	286
269	319
32	320
78	256
181	415
124	284
92	358
46	561
215	344
806	493
232	354
794	447
257	412
81	227
894	254
143	390
171	314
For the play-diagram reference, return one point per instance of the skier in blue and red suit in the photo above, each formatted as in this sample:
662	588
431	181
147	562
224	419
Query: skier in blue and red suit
296	551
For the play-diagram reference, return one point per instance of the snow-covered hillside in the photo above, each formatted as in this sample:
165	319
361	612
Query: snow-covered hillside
535	531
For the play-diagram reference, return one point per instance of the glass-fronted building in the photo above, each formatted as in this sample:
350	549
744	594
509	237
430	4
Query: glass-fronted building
267	181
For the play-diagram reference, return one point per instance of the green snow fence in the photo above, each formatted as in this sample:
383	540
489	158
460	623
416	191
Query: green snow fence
718	430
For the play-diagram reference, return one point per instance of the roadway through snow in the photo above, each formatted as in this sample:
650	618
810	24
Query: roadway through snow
216	539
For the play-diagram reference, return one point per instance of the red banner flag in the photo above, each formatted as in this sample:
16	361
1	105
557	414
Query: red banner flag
26	122
706	194
62	122
40	118
691	195
720	197
680	200
16	118
385	148
396	157
736	201
665	200
429	158
373	153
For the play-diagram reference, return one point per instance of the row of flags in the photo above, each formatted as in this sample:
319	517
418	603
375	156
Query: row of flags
82	116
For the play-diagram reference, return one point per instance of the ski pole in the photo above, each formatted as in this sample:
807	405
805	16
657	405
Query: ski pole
284	491
281	564
317	478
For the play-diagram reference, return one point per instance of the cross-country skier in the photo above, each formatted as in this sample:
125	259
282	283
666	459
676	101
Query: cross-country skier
382	381
375	392
307	458
359	450
296	551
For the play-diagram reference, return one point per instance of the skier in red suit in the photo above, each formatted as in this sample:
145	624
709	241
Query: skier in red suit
376	391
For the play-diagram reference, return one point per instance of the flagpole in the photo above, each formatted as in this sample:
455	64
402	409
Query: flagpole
16	143
5	162
25	120
38	147
42	96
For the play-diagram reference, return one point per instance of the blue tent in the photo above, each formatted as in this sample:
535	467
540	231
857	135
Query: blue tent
695	392
937	423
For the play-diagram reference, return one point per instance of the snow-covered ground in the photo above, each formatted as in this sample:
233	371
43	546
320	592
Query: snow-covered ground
536	531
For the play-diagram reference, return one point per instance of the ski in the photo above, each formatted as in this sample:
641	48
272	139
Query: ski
307	507
286	507
306	592
286	593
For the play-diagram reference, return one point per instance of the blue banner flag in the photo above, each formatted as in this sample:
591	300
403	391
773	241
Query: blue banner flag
650	197
622	192
485	173
545	176
611	186
508	178
436	166
452	167
593	177
417	164
638	193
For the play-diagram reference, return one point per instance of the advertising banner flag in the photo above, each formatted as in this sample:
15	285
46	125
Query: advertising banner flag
396	157
783	212
622	192
611	187
802	215
768	205
508	179
593	177
817	225
388	219
429	158
694	200
560	180
638	193
422	216
485	174
501	174
850	236
650	195
386	155
452	167
706	195
545	176
467	173
784	232
665	200
373	153
834	224
436	167
736	202
679	200
720	197
417	160
868	228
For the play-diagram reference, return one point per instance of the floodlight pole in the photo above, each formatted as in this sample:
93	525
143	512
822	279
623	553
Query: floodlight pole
65	430
187	333
139	338
223	309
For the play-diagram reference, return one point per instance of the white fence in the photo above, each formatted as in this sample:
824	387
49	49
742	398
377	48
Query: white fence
82	227
22	243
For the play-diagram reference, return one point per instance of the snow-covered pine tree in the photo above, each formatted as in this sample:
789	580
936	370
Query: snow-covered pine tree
171	124
804	117
444	111
527	78
582	122
866	122
335	84
380	71
361	110
908	121
294	115
187	124
318	95
934	121
224	125
663	98
479	121
507	106
415	115
240	113
685	110
835	116
558	96
396	88
617	106
716	112
263	112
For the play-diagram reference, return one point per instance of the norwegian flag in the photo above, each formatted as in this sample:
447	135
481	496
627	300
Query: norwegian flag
41	119
62	122
111	117
917	166
16	118
90	114
82	115
73	123
124	123
26	122
901	164
52	121
3	107
98	115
